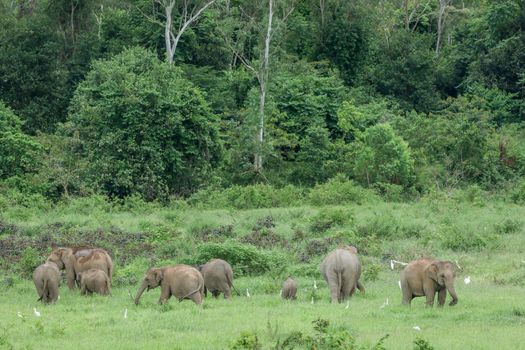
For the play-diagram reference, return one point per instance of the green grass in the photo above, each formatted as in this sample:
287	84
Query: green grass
487	317
488	241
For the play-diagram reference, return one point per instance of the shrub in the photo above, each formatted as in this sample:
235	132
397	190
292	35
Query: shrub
422	344
29	260
208	233
518	194
245	258
465	239
508	226
339	190
246	341
132	272
371	272
247	197
328	218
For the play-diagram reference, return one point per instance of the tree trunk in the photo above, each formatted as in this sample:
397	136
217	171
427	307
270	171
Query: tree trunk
440	24
263	78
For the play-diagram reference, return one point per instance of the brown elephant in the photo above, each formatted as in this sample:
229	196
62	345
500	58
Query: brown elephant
341	269
94	281
47	281
426	277
218	278
79	259
289	289
181	281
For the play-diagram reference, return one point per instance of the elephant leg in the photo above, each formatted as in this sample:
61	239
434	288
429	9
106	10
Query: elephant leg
226	290
347	289
205	291
335	289
165	294
407	293
83	289
196	298
430	295
360	287
442	295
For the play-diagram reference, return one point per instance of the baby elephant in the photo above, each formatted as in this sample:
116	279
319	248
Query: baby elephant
181	281
218	278
289	289
47	280
94	281
426	277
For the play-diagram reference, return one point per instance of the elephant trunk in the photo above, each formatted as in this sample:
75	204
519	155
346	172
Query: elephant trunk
452	292
143	286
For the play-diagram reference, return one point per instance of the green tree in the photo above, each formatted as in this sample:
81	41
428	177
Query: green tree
19	153
144	128
383	157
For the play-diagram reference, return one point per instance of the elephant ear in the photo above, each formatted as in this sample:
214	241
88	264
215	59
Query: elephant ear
159	275
432	272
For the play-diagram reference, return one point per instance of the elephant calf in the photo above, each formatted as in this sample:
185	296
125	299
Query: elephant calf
218	278
181	281
289	289
426	277
94	281
47	280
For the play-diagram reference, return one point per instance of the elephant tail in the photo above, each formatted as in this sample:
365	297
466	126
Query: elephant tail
230	282
339	282
44	290
201	285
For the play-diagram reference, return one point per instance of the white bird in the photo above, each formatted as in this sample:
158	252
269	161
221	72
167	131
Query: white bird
417	328
19	314
457	264
312	300
384	304
392	264
247	293
399	284
467	280
37	314
315	284
347	304
281	293
126	313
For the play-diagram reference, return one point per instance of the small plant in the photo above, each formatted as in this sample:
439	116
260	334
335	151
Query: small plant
508	226
371	272
29	261
328	218
246	341
422	344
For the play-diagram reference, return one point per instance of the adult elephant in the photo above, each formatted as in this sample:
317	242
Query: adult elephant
426	277
341	269
79	259
181	281
218	278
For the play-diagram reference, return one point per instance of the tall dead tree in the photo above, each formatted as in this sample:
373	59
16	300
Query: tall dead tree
261	68
189	12
442	12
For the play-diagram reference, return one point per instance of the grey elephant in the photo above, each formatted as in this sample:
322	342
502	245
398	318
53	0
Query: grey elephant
289	290
341	269
218	278
78	259
426	277
94	281
47	281
181	281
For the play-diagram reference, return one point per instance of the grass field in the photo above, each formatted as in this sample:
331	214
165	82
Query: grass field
487	241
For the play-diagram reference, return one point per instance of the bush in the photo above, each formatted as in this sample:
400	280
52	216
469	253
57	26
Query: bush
132	273
244	258
328	218
246	341
422	344
371	272
339	190
518	194
144	127
247	197
508	226
465	239
30	259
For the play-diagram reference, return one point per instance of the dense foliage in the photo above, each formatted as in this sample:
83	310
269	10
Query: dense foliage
402	97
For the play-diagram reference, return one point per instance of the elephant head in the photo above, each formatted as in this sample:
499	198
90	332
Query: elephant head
444	273
152	280
64	259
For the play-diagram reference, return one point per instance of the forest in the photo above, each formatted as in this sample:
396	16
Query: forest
405	97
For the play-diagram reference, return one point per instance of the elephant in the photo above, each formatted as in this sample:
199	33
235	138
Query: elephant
341	269
47	281
289	289
94	281
218	278
426	277
78	259
181	281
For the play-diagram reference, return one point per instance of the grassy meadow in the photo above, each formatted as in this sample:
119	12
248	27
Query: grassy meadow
264	246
